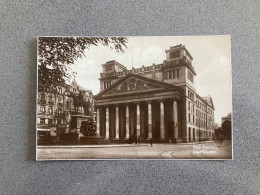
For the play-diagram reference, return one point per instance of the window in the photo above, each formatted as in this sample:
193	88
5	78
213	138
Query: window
42	121
42	97
50	110
189	117
59	110
50	98
189	106
178	73
43	109
170	74
173	74
49	121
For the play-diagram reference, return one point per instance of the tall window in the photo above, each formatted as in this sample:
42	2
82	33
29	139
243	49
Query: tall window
178	73
59	111
42	109
50	121
42	121
170	74
50	110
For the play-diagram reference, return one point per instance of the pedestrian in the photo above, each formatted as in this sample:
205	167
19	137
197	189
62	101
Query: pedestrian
151	142
139	139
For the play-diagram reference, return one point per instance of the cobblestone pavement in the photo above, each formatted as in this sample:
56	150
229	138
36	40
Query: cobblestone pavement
207	150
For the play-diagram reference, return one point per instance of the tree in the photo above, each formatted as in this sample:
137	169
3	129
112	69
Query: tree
226	126
57	54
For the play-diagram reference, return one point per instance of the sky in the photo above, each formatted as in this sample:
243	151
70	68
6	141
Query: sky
211	60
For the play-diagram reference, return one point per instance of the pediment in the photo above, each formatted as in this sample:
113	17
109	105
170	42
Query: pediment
209	101
134	84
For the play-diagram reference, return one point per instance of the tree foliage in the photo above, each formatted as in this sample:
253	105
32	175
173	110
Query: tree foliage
57	54
226	126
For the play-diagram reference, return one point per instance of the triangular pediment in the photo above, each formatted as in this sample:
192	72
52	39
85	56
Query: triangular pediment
209	101
132	84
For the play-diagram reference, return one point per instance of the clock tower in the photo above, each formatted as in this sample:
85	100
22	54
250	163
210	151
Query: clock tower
179	69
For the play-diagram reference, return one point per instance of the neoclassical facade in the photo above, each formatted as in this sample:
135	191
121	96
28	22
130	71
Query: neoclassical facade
157	101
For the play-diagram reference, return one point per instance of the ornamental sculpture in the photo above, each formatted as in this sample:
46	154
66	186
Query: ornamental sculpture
132	85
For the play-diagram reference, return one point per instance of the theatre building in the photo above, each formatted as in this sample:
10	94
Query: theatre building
157	101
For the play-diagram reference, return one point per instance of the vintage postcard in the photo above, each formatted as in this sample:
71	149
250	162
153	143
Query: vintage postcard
148	97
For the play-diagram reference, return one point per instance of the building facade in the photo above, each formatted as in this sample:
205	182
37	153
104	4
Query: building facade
55	110
157	101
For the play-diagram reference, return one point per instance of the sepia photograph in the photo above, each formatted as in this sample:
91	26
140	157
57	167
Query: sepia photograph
143	97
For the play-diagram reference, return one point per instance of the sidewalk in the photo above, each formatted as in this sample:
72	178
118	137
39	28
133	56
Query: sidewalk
115	145
90	146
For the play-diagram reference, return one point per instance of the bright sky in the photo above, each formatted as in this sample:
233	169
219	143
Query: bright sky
211	60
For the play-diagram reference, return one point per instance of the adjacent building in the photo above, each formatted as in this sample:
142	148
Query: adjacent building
156	102
55	110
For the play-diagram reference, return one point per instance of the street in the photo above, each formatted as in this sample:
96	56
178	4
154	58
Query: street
206	150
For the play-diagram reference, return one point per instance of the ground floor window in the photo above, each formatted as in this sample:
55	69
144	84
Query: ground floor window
42	121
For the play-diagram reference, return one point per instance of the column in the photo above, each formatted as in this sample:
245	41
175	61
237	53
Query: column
162	129
127	121
150	132
107	123
98	122
175	119
117	123
138	119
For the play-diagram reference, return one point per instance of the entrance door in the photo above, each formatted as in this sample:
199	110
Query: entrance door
193	134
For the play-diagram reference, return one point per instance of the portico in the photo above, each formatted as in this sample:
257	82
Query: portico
139	106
